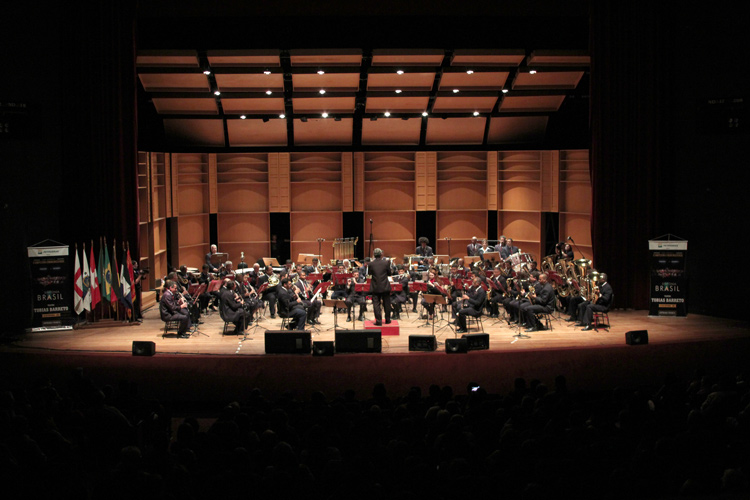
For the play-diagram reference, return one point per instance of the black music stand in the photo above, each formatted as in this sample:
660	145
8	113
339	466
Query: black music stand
441	300
336	304
431	299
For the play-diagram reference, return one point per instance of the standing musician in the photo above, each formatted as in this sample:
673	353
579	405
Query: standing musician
398	299
305	292
232	307
472	249
585	309
172	308
211	267
269	294
433	288
380	287
473	303
543	302
567	252
511	249
424	250
291	306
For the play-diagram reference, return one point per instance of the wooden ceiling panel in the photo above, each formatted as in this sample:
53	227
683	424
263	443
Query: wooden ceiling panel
548	80
475	81
331	82
170	105
325	57
407	81
323	132
256	132
559	58
244	58
253	106
514	129
471	57
194	132
167	58
396	104
321	104
532	103
174	82
464	104
407	57
455	130
250	82
391	131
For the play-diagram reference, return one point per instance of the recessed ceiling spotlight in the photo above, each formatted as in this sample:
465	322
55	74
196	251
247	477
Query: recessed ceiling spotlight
207	72
398	91
268	92
322	91
267	72
217	93
424	113
321	72
282	116
505	91
243	116
456	91
324	115
387	114
476	113
469	71
532	72
400	72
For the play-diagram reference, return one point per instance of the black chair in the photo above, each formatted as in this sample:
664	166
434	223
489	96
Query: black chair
171	326
477	322
601	319
226	323
544	319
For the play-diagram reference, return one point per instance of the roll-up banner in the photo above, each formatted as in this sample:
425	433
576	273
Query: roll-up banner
668	277
51	286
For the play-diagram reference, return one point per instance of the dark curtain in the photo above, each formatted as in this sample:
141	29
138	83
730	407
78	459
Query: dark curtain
99	126
629	143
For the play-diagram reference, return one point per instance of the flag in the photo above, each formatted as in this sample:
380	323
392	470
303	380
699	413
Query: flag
116	294
106	273
132	276
95	292
126	270
86	281
77	284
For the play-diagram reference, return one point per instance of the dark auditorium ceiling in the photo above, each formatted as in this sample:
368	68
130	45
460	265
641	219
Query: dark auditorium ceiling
504	76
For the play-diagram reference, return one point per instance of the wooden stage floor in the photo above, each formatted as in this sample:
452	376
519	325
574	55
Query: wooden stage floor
209	367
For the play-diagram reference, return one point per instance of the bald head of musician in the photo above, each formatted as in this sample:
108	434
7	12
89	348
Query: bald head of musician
543	278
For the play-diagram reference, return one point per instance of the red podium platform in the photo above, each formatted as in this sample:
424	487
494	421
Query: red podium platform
391	329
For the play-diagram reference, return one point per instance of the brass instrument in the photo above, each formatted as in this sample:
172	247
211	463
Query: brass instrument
531	294
273	280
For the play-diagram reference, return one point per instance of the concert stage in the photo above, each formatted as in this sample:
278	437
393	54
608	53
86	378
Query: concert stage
210	367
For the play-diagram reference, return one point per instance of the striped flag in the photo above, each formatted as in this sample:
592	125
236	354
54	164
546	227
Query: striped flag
77	284
116	291
95	292
106	273
86	281
126	271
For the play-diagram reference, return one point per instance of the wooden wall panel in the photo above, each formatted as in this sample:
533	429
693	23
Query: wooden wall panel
236	197
309	226
390	196
522	196
462	195
359	181
347	182
460	226
550	180
252	250
316	196
278	182
426	179
213	194
492	194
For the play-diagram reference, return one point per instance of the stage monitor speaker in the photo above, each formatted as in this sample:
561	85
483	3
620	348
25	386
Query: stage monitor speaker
143	348
636	337
358	341
477	341
323	348
422	343
288	342
455	346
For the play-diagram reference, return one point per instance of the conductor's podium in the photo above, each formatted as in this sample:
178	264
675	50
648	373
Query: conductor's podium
390	329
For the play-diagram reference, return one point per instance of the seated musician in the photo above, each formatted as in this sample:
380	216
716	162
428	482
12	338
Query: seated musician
398	299
498	293
172	308
231	308
532	288
269	294
193	308
226	269
290	305
312	268
249	296
355	297
474	299
585	308
205	278
305	292
338	291
433	288
255	274
516	294
542	302
424	250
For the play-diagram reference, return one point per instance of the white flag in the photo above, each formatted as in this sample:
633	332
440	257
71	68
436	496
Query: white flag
86	278
77	286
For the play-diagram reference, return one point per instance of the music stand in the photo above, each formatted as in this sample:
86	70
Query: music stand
336	304
441	259
440	300
431	299
218	259
362	288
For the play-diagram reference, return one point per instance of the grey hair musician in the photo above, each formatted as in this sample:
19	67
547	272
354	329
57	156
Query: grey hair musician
472	249
214	249
171	308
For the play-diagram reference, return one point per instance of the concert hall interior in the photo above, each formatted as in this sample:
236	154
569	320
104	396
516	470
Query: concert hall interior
295	129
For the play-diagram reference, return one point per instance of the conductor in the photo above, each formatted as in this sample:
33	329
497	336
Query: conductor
380	288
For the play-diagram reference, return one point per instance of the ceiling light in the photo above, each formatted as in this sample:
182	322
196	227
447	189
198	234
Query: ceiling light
268	92
207	72
243	116
532	72
398	91
303	119
322	91
505	91
387	114
217	93
476	113
267	72
455	91
324	115
400	72
424	113
321	72
282	116
469	71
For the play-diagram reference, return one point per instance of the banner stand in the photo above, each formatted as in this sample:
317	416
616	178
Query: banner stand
668	276
51	286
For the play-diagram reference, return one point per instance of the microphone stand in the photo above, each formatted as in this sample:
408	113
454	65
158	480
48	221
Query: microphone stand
320	255
369	245
575	246
449	248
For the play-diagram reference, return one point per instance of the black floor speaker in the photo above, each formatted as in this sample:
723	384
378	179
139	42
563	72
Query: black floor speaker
358	341
636	337
456	346
143	348
422	343
477	341
323	348
288	342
